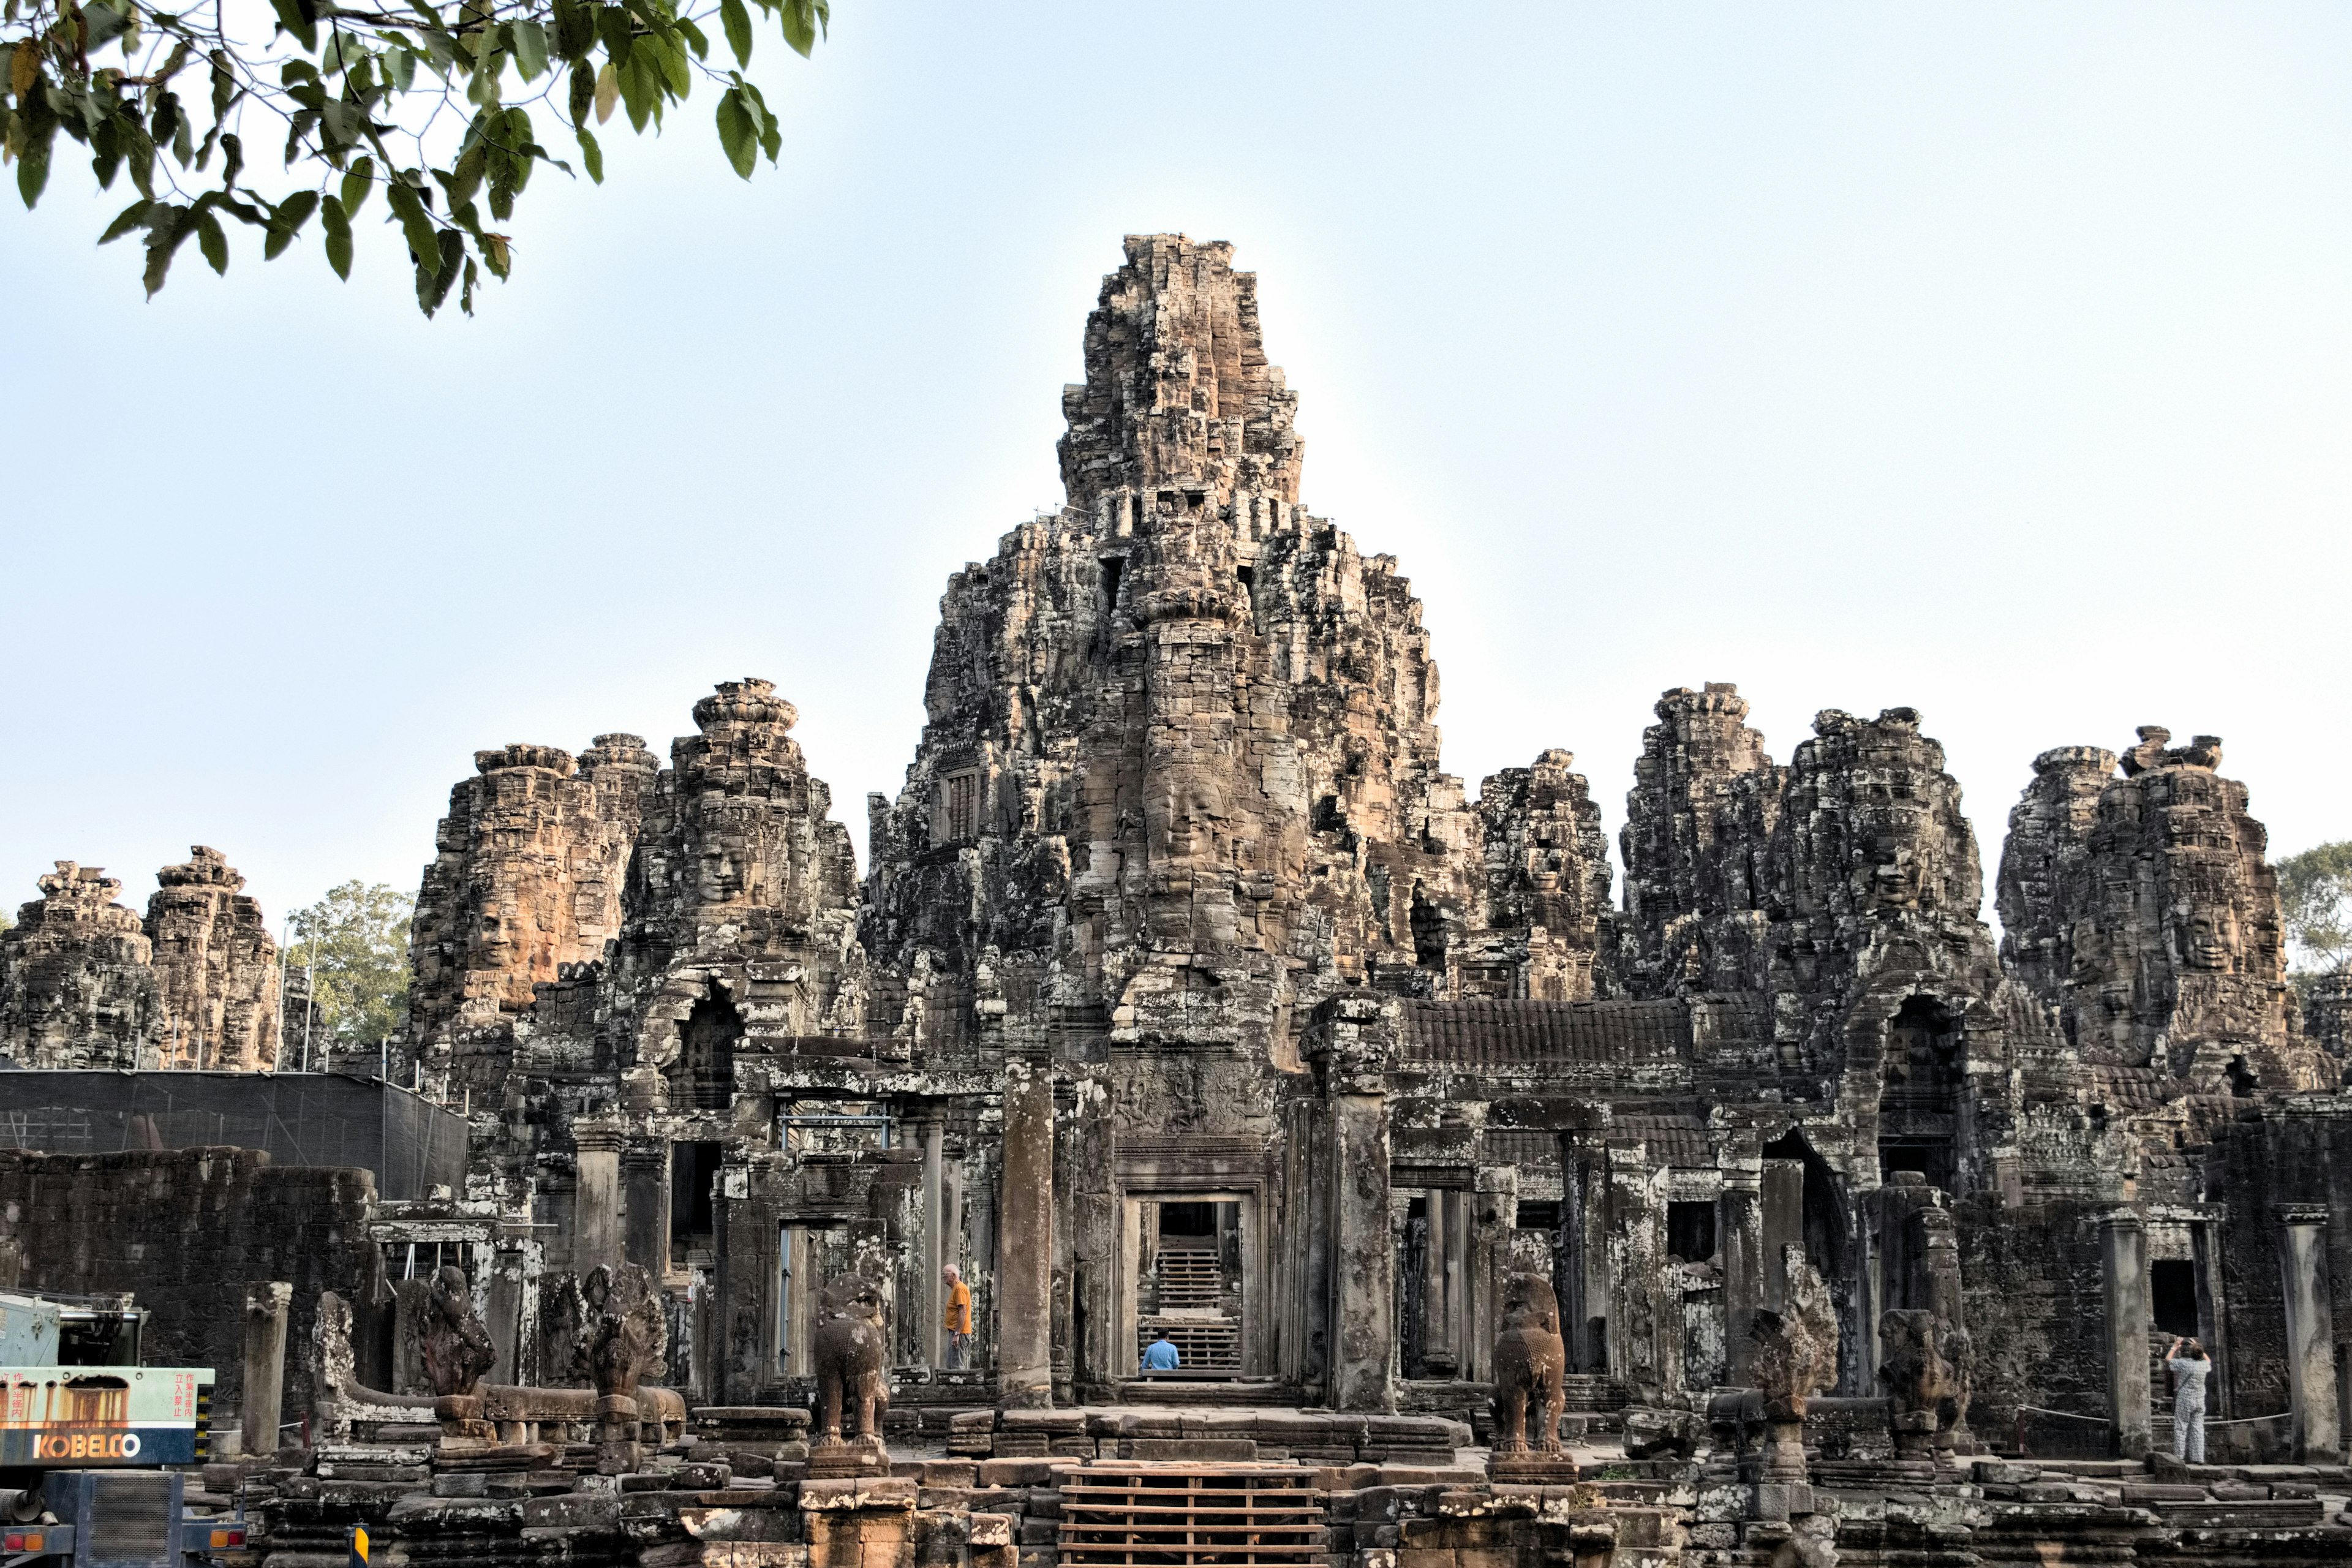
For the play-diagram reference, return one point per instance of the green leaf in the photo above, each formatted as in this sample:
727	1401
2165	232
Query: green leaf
592	155
676	72
608	91
409	208
32	170
223	85
338	237
695	36
434	280
613	27
129	218
211	240
164	237
530	47
584	94
736	18
739	132
286	222
358	180
803	19
232	159
466	298
290	17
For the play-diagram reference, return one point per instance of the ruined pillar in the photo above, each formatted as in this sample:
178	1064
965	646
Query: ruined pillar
1024	1242
1494	1218
932	1297
1363	1314
645	1185
263	1401
2123	1250
1740	1238
597	1200
2310	1336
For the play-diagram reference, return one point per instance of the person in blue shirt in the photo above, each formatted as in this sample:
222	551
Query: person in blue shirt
1160	1355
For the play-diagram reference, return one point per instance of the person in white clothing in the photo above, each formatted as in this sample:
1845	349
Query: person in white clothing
2190	1367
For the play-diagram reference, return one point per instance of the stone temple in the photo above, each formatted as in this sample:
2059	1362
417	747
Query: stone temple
1186	996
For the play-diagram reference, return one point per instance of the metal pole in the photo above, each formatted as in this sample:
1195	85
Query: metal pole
310	986
282	946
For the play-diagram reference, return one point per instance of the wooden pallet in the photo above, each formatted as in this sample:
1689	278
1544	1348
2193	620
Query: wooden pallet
1176	1516
1205	1344
1190	1278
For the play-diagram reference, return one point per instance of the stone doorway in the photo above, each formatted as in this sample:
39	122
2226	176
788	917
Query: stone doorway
1189	1276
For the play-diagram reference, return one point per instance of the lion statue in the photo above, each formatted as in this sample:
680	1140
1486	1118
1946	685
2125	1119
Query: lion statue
851	1353
1531	1364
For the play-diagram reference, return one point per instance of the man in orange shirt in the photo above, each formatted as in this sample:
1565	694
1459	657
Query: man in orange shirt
956	1321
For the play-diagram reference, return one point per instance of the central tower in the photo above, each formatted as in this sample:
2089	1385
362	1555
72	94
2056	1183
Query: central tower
1180	773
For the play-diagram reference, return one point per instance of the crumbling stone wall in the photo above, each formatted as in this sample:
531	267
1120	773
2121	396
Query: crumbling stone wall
76	988
184	1230
215	967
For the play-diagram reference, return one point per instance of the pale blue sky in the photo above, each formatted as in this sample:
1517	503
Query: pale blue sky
1996	359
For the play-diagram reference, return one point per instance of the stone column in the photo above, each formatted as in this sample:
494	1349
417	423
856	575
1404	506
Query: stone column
1363	1263
2123	1250
1024	1242
262	1402
645	1181
1783	1203
1739	1236
1494	1218
2310	1336
933	1295
596	1200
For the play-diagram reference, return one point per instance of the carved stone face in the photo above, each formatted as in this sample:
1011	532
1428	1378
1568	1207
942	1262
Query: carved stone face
721	868
1896	884
2209	940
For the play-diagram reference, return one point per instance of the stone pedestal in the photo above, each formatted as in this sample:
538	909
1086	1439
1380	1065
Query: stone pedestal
863	1456
262	1402
1532	1470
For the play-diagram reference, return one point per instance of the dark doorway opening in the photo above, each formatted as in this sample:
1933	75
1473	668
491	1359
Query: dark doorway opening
693	1212
707	1055
1188	1219
2172	1292
1919	1099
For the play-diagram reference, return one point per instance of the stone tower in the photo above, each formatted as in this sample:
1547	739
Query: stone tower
1704	800
215	965
526	878
1180	743
2163	911
76	988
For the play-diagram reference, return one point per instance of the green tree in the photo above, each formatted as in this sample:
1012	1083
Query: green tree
2315	896
358	937
444	105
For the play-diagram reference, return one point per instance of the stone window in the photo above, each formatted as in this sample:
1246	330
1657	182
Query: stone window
960	806
1690	1231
